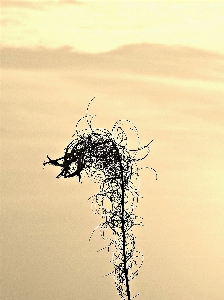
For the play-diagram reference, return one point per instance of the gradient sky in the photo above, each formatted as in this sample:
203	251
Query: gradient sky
158	64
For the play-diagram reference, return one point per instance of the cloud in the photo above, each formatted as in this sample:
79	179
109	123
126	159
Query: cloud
20	4
142	59
35	4
71	2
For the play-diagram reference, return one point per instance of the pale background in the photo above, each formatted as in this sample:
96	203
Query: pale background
158	64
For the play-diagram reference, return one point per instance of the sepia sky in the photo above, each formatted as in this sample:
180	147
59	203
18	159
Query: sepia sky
159	64
97	26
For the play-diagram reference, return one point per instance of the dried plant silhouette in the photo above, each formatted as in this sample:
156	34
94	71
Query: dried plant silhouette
104	157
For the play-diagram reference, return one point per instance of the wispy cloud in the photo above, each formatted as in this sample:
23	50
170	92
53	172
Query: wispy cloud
36	4
99	26
20	4
71	2
141	60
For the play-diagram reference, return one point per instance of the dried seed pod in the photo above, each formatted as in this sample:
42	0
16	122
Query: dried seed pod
104	157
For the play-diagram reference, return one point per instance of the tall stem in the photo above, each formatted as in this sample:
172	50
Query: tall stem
123	229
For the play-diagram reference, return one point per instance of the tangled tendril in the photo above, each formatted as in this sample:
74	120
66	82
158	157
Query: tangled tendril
104	157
